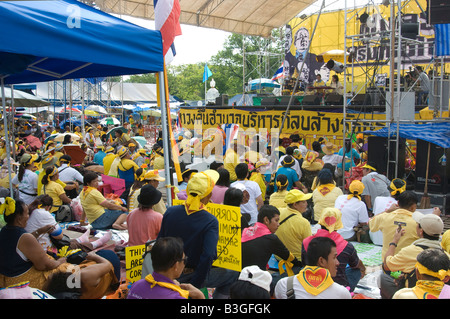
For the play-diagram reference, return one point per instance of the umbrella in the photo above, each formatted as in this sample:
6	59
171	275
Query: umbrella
112	131
25	116
97	108
141	140
60	137
68	109
33	141
258	84
109	121
75	152
91	113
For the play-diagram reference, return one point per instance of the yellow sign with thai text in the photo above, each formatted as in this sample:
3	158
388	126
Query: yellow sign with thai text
229	244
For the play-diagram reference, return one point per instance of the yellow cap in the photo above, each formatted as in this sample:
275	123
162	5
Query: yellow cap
294	196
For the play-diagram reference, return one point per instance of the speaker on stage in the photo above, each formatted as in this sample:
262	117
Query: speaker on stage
334	99
222	100
284	100
438	174
270	101
438	11
361	99
311	100
377	152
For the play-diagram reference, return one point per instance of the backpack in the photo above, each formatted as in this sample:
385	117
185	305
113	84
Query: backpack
64	214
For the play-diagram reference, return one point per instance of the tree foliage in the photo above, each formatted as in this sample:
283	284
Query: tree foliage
242	58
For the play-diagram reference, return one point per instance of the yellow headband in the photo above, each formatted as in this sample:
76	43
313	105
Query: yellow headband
140	178
369	167
441	274
279	184
395	189
54	171
8	207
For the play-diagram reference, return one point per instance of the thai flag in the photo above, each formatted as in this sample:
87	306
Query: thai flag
167	20
278	74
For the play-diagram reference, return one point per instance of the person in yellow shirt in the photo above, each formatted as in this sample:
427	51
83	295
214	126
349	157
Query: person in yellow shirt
389	221
77	131
53	189
47	161
277	198
101	213
158	161
293	226
126	168
108	159
325	194
258	175
231	160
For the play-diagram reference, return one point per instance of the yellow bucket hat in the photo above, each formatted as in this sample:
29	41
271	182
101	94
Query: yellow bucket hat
294	195
122	151
153	175
331	219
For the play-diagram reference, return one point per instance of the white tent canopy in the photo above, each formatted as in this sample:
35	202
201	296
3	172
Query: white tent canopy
256	17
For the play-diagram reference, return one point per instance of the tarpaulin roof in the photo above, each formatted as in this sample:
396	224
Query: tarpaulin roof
436	133
66	39
255	17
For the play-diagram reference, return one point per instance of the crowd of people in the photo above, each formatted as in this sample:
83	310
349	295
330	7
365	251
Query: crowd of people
280	204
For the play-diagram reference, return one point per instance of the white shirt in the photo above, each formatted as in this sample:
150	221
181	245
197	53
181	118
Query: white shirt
335	291
381	204
354	211
251	207
39	218
69	174
333	159
28	185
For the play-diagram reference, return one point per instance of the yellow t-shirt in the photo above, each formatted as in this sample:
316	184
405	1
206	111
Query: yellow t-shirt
126	163
91	204
386	223
107	161
259	179
39	185
230	162
54	190
445	242
324	199
293	230
277	199
158	162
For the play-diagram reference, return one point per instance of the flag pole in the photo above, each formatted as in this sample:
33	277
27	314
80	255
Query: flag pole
162	105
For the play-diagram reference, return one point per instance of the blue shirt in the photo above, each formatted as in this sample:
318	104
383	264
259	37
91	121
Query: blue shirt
352	154
291	175
200	234
98	157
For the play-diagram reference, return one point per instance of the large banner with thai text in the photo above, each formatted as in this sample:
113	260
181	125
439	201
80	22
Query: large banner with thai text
229	245
308	124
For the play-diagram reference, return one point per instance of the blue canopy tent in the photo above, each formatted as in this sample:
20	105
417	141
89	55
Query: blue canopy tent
436	133
66	39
